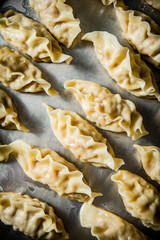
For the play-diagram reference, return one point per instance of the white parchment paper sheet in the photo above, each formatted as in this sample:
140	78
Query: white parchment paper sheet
93	16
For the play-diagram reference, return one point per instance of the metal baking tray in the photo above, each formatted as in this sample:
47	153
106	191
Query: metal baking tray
93	16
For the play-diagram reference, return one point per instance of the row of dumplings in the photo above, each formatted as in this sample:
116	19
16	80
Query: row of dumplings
144	35
139	30
108	111
125	67
39	44
141	199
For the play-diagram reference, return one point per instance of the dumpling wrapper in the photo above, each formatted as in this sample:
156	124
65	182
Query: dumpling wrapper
31	38
8	114
150	158
47	167
109	111
5	151
31	216
141	32
59	19
106	225
19	74
125	67
141	199
82	139
154	3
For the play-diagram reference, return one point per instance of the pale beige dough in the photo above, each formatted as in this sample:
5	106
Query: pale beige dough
105	225
150	158
82	139
31	38
31	216
141	31
47	167
59	19
141	199
109	111
124	66
19	74
8	114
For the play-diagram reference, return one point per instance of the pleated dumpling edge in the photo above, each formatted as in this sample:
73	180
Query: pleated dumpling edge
46	166
124	66
109	111
8	114
82	139
35	40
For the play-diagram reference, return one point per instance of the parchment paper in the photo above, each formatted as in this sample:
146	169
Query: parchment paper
93	16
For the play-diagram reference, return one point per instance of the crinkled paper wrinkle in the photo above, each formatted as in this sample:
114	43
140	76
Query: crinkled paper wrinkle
125	67
8	114
106	225
82	139
59	19
19	74
31	38
141	31
47	167
109	111
31	216
150	158
141	199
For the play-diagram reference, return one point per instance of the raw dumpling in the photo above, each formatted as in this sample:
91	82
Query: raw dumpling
154	3
140	198
141	31
31	38
109	111
5	151
18	73
31	216
150	157
47	167
8	114
124	66
105	225
107	2
59	19
82	139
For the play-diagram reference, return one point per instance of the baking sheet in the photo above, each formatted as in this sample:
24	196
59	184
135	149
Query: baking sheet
93	16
